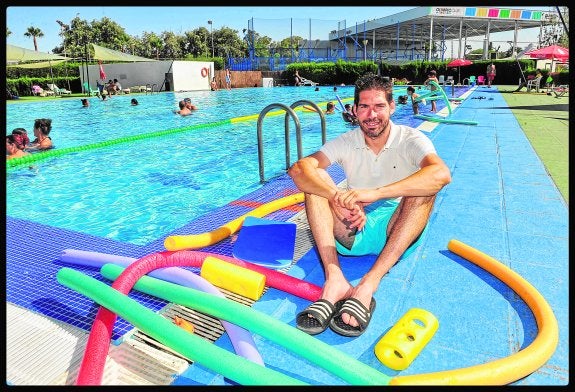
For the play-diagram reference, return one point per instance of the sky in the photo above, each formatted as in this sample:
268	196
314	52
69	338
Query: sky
271	21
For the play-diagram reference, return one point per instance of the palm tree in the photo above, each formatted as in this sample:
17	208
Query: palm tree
34	32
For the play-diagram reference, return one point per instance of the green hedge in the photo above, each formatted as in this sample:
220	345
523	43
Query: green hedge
508	72
20	80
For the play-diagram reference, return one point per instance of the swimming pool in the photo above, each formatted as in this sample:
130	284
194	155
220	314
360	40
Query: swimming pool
141	190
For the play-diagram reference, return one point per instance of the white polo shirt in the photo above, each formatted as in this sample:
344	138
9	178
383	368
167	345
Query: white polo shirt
399	158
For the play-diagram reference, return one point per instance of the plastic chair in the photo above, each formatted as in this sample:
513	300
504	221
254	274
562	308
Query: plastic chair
480	80
88	89
534	83
472	80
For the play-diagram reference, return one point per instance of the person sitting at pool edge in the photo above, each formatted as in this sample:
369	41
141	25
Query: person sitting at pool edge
214	84
393	174
118	86
111	87
42	128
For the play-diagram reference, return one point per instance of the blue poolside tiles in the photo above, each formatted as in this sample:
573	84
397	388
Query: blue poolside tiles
501	202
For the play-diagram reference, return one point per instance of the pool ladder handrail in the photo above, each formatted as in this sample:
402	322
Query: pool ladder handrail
289	112
151	86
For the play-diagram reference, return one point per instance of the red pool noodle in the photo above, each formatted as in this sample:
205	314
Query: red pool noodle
92	366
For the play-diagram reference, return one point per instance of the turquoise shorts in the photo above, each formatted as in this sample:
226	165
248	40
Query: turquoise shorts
371	240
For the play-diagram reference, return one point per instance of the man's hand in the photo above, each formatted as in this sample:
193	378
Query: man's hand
352	197
352	214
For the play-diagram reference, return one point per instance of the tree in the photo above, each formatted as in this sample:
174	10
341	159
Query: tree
8	32
171	45
290	45
227	43
108	33
554	33
35	33
195	43
153	44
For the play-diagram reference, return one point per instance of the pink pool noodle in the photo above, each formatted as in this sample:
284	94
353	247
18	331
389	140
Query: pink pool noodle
241	339
92	366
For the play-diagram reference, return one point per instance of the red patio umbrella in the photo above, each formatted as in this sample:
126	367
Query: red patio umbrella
459	63
553	52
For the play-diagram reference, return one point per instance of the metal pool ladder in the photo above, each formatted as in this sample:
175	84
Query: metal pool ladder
150	88
289	112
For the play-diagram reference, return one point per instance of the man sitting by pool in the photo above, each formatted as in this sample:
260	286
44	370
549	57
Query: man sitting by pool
393	173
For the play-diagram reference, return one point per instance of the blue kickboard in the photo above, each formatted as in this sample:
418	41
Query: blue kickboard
266	242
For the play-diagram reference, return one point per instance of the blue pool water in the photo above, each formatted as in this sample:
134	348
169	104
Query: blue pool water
142	190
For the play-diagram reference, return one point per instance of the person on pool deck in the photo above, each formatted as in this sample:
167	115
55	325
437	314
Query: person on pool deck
42	128
393	173
490	74
214	84
228	79
432	76
297	79
528	78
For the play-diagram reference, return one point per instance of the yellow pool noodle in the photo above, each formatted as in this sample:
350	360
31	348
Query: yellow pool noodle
234	278
197	241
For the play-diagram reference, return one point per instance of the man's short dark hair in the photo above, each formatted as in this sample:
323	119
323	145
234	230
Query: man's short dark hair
372	81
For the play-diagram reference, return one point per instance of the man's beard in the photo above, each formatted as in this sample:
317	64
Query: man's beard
374	134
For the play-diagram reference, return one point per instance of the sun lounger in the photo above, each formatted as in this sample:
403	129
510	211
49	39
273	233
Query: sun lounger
561	90
57	90
307	82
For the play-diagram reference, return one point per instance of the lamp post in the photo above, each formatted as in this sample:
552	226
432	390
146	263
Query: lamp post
211	36
63	28
365	49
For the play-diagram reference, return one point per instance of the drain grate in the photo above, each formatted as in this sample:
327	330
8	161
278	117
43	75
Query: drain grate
45	351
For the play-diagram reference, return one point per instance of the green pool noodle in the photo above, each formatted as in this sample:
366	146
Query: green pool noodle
314	350
445	120
63	151
228	364
442	93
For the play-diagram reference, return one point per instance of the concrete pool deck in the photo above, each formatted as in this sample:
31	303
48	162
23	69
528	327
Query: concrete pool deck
502	201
